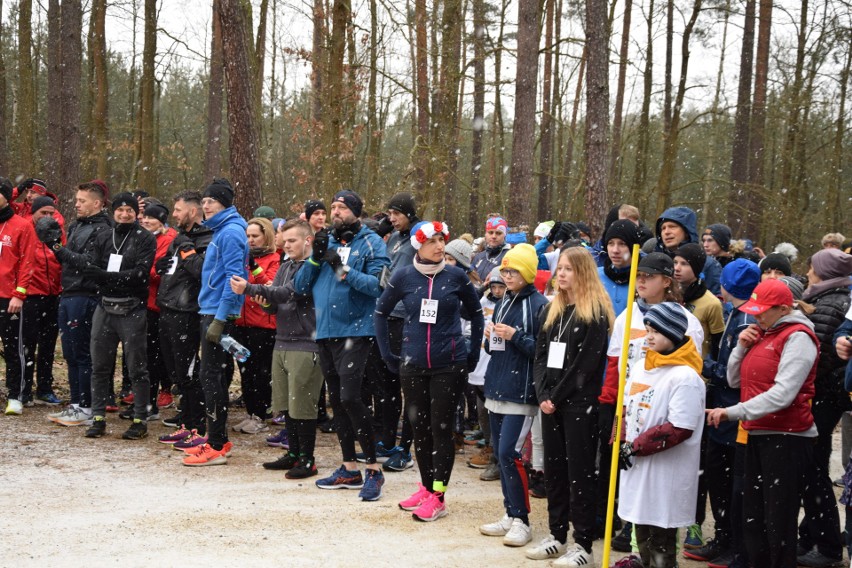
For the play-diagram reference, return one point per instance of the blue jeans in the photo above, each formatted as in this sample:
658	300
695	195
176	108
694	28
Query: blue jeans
75	327
508	432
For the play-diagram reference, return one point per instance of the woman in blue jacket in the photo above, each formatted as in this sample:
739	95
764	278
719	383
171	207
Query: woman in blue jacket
509	390
434	362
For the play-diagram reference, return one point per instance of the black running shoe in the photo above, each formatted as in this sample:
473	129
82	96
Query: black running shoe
138	430
97	429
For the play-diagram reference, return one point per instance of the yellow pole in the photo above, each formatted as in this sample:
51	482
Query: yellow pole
619	406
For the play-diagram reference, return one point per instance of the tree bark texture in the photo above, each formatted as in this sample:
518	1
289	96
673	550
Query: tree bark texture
215	92
99	91
545	179
25	116
596	149
478	63
242	119
53	151
146	175
71	31
742	122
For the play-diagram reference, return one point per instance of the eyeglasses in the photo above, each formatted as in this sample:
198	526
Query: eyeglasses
508	272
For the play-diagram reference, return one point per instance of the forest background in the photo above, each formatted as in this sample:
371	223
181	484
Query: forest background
534	109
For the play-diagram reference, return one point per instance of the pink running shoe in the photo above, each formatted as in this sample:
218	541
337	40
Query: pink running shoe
415	500
191	441
432	509
176	436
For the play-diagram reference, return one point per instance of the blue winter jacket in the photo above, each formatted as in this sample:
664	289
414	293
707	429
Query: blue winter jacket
617	292
345	307
509	375
685	217
842	331
719	393
431	345
226	255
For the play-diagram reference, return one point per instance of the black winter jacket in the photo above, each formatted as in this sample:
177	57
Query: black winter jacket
830	309
578	382
137	247
74	256
179	291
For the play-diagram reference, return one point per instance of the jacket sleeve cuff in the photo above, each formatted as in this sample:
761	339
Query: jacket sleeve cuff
20	293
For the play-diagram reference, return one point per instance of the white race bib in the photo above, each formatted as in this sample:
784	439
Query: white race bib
343	253
428	311
556	355
114	264
497	342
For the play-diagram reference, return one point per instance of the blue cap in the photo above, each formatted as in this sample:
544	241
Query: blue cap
740	277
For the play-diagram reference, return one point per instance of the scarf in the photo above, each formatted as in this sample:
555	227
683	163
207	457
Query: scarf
493	251
618	275
694	291
820	287
5	214
346	233
428	267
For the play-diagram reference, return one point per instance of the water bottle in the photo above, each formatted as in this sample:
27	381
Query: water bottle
233	347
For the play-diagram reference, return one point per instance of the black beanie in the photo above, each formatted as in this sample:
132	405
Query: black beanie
777	261
625	230
42	201
584	228
404	203
351	200
125	199
158	212
721	234
6	189
220	190
312	206
694	254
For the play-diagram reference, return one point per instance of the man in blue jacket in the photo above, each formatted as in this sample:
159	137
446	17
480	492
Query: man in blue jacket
343	274
678	226
226	256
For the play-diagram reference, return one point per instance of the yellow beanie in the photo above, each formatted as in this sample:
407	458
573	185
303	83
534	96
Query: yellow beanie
522	258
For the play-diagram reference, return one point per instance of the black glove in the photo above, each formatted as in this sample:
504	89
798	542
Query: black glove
252	264
625	456
95	273
48	231
385	227
320	245
606	415
215	330
333	259
28	184
162	266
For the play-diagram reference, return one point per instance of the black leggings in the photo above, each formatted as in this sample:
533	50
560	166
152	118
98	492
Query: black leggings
256	372
431	397
343	360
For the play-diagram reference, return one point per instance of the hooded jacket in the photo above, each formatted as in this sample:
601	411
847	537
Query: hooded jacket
296	320
578	382
47	273
685	217
830	307
401	254
345	307
226	256
509	376
431	345
179	291
74	255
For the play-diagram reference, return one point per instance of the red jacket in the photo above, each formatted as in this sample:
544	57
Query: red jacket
163	242
17	251
25	210
757	374
47	272
252	315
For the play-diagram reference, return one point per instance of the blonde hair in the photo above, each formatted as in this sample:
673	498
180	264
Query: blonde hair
628	212
265	228
590	298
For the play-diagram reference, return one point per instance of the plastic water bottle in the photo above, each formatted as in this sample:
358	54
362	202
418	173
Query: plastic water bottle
233	347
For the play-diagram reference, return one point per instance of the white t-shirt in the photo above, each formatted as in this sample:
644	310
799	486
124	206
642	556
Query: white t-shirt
636	351
661	489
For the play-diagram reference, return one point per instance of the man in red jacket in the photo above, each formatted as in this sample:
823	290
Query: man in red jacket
774	366
42	306
17	247
31	189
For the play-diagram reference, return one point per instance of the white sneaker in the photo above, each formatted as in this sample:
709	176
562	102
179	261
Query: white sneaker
576	557
500	528
14	407
254	425
519	534
66	412
549	547
238	427
79	417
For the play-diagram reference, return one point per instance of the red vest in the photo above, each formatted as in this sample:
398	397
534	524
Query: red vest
757	375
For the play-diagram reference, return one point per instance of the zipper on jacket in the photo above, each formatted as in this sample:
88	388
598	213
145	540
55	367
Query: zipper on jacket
429	331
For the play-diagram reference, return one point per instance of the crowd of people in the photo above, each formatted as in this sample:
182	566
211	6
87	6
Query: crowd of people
735	367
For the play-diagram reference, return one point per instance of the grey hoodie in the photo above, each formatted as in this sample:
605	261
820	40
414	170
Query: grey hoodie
797	359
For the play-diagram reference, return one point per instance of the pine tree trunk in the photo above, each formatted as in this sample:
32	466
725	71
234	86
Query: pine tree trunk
53	148
638	195
215	91
25	116
544	178
834	202
318	62
374	136
332	170
742	120
71	29
446	111
146	175
99	89
523	130
424	116
615	164
4	152
596	148
242	116
478	63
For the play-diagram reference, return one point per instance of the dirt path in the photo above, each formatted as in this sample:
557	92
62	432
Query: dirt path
72	501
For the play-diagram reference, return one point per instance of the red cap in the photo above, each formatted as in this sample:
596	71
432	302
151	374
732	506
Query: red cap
768	294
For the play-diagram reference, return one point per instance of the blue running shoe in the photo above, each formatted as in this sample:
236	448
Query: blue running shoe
382	455
372	490
694	539
399	461
48	399
279	440
342	479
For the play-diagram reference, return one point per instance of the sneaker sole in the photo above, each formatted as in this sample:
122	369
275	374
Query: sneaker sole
70	423
476	466
438	514
45	403
220	460
169	442
516	544
125	437
408	465
376	498
340	486
312	474
692	556
98	435
492	533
